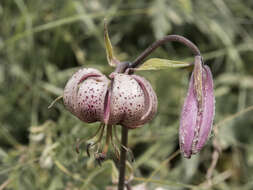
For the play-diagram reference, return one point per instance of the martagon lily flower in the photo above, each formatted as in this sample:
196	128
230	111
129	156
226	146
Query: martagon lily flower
198	110
127	100
124	99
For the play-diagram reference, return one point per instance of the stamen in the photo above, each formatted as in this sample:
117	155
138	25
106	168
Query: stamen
91	144
99	128
129	151
115	148
107	142
100	157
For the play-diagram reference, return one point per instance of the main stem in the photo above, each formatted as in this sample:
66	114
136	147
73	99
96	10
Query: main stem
122	164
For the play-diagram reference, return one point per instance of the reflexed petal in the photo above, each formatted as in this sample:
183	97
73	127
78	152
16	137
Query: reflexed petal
90	98
75	93
71	88
127	101
150	100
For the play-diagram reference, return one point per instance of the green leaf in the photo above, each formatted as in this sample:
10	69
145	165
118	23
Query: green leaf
108	46
158	64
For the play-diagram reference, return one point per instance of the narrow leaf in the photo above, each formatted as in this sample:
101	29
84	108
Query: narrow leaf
108	46
158	64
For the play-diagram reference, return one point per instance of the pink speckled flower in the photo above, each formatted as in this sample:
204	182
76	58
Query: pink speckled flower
128	100
198	110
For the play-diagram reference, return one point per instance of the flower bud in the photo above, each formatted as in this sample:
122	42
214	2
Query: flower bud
198	110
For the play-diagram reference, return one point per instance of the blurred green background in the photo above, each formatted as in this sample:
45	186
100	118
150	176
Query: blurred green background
42	43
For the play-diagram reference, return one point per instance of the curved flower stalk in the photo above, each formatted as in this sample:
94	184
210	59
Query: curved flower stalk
198	110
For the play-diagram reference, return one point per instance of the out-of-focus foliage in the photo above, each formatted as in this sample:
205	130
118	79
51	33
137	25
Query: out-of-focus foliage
43	42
